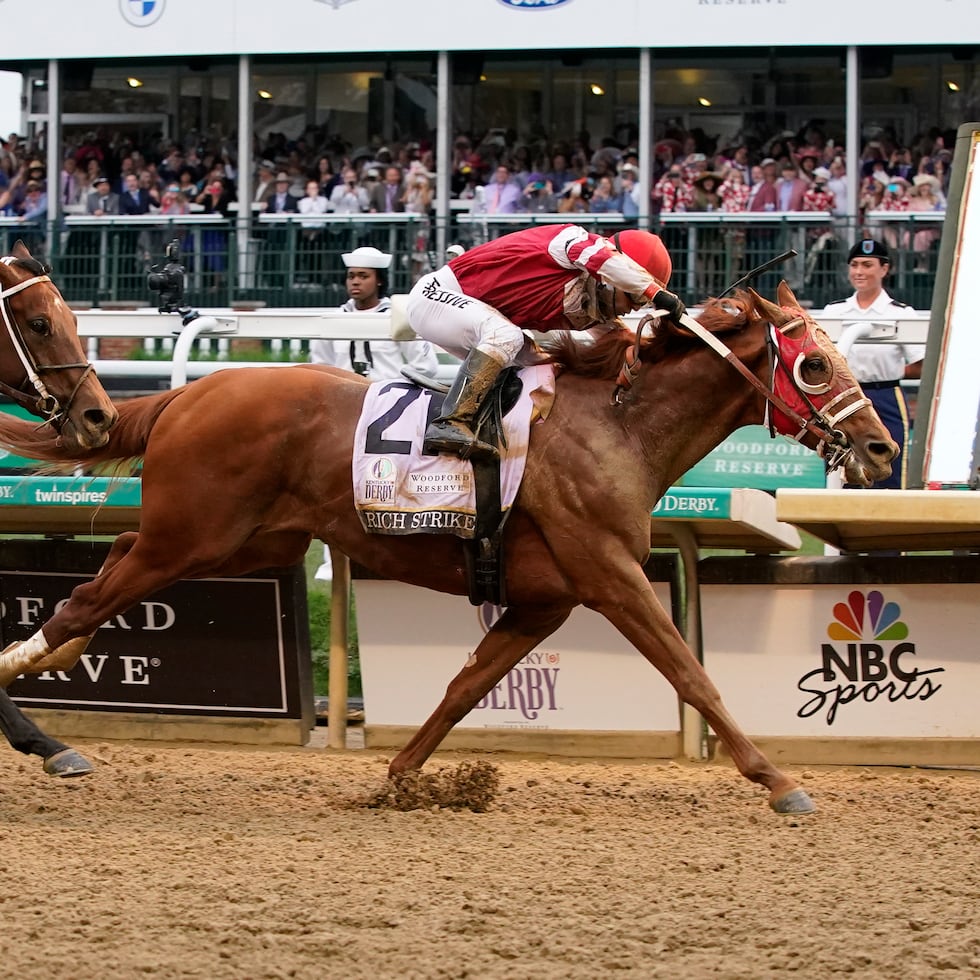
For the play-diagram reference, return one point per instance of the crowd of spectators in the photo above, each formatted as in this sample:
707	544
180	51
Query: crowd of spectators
318	174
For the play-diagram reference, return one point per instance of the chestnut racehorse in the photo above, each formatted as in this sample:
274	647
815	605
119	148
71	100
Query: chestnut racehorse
242	469
43	369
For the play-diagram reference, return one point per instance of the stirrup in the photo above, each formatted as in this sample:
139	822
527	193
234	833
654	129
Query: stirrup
451	438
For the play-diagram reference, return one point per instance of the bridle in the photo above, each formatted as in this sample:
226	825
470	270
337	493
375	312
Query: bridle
43	403
822	422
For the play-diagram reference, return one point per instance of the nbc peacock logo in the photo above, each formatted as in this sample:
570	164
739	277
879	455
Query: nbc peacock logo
869	659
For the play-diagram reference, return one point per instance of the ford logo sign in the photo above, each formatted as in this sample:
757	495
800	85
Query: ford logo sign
533	4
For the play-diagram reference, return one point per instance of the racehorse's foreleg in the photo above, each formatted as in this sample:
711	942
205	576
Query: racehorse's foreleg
513	636
645	623
25	736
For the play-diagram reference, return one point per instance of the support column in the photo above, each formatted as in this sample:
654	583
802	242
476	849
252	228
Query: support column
444	136
243	223
646	135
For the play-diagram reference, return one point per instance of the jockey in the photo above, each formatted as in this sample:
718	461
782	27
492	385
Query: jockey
542	278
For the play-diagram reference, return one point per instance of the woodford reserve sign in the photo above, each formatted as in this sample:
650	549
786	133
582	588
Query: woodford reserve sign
234	648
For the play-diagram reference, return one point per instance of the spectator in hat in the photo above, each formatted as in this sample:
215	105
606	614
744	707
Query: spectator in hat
102	200
367	292
376	360
818	196
879	368
265	183
925	196
281	201
709	260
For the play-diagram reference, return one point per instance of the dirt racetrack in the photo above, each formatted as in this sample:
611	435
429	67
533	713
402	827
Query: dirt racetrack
213	862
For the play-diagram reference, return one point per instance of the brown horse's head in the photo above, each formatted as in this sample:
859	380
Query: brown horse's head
42	365
812	377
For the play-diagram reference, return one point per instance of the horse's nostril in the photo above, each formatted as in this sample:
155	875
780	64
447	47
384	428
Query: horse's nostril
98	419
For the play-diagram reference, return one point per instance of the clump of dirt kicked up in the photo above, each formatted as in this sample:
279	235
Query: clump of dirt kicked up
468	786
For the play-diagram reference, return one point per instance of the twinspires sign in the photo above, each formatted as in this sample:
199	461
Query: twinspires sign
228	647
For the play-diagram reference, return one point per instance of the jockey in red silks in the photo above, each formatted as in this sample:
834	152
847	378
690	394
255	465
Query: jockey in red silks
544	278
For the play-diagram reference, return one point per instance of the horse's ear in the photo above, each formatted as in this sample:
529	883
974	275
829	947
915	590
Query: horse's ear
785	296
773	313
21	251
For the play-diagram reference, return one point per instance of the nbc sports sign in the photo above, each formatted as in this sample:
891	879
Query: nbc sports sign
896	661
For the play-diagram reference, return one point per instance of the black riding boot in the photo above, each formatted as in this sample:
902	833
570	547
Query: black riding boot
452	431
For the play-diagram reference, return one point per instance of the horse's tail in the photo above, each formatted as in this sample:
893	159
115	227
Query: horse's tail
127	438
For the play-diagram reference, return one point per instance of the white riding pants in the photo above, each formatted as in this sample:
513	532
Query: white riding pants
442	314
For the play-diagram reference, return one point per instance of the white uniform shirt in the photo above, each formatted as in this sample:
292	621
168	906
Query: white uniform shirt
377	360
876	362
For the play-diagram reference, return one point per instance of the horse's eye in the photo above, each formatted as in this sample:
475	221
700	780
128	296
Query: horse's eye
816	368
40	325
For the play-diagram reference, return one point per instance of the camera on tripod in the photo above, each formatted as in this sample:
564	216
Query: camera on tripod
169	281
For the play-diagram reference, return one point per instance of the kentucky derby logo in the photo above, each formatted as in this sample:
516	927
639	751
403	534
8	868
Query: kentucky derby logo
141	13
529	689
381	484
866	663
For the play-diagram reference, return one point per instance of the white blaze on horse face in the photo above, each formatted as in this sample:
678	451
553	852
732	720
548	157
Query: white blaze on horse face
19	657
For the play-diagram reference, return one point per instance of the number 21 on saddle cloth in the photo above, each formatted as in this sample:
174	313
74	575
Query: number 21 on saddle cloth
397	490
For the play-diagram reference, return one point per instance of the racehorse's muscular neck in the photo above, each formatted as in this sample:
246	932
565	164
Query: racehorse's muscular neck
685	406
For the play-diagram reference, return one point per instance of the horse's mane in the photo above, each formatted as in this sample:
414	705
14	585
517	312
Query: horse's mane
604	358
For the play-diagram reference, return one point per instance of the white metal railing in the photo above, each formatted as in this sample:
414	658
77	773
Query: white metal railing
296	327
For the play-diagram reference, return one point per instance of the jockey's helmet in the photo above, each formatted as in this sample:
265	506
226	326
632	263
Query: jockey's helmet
646	249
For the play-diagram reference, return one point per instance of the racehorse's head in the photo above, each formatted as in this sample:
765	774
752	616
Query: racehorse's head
812	378
42	365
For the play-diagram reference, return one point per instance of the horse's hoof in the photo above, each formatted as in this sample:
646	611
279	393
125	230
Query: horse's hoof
795	801
67	762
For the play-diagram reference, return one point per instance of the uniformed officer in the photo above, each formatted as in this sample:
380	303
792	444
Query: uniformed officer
879	367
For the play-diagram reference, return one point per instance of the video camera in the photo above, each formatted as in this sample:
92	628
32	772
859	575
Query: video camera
169	281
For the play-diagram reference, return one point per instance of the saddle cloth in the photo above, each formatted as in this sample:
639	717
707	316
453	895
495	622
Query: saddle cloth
397	490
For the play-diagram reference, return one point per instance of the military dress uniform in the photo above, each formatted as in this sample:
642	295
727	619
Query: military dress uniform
879	369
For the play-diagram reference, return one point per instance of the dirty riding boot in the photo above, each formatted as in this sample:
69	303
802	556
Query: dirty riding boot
452	431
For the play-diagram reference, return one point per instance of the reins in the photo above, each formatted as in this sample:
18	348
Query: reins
43	403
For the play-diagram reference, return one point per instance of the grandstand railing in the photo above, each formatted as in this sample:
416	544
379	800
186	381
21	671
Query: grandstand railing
294	261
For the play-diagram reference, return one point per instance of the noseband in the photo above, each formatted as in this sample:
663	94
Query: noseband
43	403
822	422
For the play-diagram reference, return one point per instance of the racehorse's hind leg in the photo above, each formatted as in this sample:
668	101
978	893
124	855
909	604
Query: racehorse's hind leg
514	635
647	626
25	736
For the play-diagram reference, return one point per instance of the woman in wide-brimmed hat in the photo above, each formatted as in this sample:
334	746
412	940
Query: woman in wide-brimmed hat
925	196
709	261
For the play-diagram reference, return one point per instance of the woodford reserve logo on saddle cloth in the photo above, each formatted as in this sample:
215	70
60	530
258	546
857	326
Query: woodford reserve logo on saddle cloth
397	490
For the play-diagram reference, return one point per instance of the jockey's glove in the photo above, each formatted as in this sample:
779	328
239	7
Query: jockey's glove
665	300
